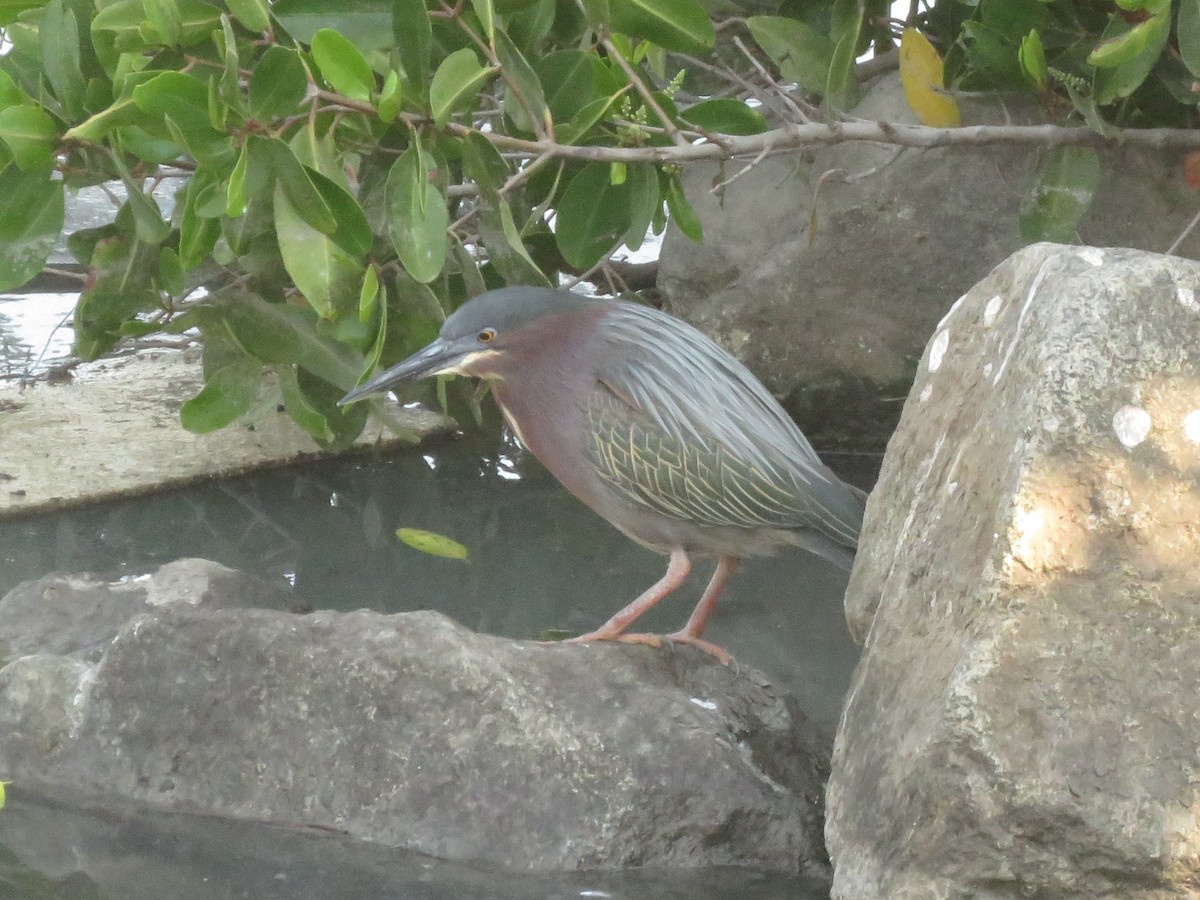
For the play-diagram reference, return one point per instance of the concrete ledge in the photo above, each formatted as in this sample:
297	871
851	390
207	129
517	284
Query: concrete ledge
114	431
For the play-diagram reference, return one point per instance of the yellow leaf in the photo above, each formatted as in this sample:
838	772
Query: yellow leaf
921	74
2	784
432	543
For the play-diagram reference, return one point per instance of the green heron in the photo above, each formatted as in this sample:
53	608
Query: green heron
654	427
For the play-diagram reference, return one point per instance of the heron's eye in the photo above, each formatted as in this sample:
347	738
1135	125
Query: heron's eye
486	336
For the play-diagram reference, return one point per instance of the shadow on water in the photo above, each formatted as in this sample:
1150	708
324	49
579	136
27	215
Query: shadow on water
538	560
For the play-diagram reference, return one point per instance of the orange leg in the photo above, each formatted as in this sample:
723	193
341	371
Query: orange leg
690	633
678	570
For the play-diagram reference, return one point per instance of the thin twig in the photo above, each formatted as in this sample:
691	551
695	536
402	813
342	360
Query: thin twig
799	114
647	97
721	185
1179	240
584	276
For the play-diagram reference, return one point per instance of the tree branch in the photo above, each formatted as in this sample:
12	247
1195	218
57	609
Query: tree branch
795	136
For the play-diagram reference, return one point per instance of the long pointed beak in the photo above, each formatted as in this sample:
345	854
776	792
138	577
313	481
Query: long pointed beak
438	357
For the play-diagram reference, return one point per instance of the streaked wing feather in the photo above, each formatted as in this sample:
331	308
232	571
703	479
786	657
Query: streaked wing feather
682	428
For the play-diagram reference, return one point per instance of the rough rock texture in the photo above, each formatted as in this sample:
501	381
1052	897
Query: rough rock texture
79	615
1025	718
834	319
412	731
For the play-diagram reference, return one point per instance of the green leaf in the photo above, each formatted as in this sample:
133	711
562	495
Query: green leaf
120	24
1033	59
147	217
10	94
524	100
326	275
568	82
235	190
1127	43
254	14
432	543
368	297
58	34
82	243
165	19
390	96
278	84
1187	32
455	84
417	217
1125	57
487	17
227	395
303	412
346	423
680	25
122	113
120	285
645	199
381	331
367	24
171	277
841	89
506	250
31	136
682	214
353	233
302	194
283	334
146	146
182	99
586	119
1067	182
197	234
342	65
725	115
802	53
31	219
592	216
412	38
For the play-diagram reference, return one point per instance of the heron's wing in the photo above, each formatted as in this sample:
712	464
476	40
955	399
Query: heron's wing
680	427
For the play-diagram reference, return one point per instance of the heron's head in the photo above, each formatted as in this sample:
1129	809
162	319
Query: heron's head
493	332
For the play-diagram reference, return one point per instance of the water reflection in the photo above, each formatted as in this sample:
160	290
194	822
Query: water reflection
35	334
52	852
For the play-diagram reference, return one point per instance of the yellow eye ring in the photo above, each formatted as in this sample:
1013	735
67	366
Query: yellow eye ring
486	336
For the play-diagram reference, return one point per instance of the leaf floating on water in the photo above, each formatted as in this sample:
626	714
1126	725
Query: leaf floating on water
2	784
432	543
550	635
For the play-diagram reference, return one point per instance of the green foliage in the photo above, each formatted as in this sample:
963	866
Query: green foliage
345	172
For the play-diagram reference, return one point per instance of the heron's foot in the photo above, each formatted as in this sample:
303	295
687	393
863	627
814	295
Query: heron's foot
682	637
608	634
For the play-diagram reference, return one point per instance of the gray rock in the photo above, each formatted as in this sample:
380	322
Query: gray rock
39	694
829	288
1025	717
79	615
411	731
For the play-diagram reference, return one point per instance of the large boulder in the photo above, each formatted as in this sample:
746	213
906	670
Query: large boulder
1025	718
409	730
826	271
